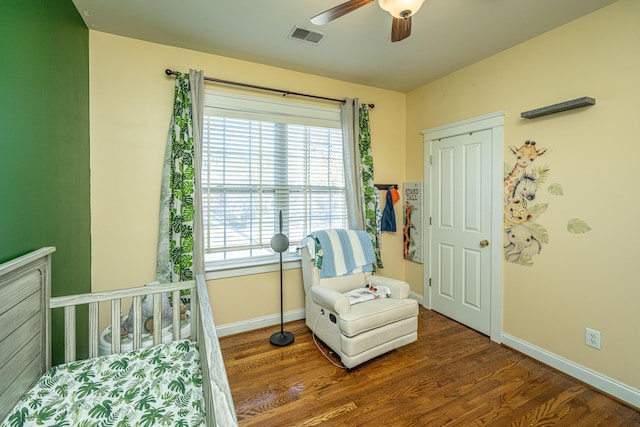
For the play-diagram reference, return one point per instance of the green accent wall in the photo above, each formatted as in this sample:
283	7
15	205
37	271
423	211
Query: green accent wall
44	142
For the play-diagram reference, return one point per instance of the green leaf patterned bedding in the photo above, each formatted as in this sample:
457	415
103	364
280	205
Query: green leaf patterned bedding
154	386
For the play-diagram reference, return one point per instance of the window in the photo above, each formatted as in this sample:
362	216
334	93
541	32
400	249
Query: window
260	157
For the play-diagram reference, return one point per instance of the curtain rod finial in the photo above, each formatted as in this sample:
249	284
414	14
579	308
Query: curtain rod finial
168	72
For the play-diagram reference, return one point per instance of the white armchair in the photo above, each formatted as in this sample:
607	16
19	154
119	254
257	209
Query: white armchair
357	332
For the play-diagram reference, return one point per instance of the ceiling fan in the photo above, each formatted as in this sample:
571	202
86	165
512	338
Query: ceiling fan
400	10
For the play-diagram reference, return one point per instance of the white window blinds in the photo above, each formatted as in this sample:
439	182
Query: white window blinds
261	156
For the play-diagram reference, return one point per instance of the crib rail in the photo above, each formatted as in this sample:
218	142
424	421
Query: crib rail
69	303
215	384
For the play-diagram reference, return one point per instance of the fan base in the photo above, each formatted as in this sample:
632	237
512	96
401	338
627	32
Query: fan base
282	338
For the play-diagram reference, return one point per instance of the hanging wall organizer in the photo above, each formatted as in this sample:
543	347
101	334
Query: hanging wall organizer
385	186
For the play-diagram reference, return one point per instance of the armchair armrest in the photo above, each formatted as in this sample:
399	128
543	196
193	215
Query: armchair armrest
399	289
330	299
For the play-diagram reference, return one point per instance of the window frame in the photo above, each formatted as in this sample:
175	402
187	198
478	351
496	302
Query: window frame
267	109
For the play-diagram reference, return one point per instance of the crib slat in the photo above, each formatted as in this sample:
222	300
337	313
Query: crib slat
137	322
157	319
70	334
175	297
195	315
94	334
115	326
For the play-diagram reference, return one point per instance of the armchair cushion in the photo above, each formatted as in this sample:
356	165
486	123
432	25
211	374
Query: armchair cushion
375	314
367	293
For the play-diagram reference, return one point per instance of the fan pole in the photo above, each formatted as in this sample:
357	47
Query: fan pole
281	338
281	302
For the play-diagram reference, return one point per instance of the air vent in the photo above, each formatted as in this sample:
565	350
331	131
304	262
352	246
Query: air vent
308	36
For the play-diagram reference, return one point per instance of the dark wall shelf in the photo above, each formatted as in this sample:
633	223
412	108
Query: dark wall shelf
556	108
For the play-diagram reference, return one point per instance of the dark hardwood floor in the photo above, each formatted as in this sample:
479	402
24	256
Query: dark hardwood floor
452	376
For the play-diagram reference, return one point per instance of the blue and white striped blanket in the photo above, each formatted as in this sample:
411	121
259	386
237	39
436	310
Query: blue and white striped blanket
344	252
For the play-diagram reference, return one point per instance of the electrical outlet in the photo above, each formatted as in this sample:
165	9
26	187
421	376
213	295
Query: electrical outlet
592	338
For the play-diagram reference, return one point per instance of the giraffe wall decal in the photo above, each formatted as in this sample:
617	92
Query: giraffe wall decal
525	155
520	241
524	236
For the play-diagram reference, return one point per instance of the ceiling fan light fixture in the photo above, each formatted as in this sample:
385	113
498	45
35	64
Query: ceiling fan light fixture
401	8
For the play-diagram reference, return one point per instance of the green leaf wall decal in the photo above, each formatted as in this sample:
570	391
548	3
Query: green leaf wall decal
507	169
542	172
538	209
577	226
539	232
555	189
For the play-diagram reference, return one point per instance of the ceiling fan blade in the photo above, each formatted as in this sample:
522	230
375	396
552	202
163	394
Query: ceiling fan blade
338	11
400	29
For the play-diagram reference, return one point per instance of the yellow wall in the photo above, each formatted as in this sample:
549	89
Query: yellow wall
578	280
131	102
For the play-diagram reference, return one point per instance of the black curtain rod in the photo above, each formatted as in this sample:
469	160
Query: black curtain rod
169	72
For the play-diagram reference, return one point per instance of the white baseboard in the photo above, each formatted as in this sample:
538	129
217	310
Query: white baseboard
417	297
258	322
601	382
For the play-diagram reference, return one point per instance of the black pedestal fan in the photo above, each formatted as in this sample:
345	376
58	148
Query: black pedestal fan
280	243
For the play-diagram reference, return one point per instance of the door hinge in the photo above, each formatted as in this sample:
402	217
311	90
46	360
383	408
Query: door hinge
429	281
430	160
430	220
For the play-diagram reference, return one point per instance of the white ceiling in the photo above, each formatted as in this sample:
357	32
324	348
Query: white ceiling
447	34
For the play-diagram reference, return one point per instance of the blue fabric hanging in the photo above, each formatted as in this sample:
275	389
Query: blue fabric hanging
388	215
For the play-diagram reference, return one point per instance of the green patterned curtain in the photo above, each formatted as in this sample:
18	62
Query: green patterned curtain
366	167
180	252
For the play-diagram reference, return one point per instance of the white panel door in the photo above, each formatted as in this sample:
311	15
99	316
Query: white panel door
461	229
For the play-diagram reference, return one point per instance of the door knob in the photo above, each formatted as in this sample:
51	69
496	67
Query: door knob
484	243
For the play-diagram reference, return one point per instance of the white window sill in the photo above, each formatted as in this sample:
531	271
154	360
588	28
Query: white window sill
247	268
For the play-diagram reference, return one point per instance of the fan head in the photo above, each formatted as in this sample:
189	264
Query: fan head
401	10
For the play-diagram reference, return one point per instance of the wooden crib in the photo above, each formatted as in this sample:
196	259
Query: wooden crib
25	331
